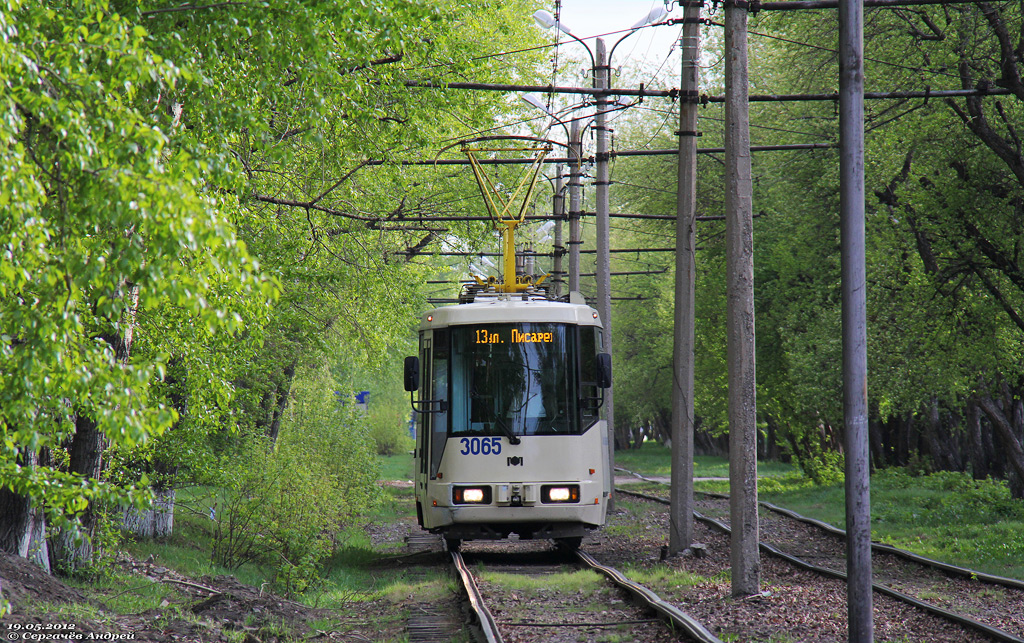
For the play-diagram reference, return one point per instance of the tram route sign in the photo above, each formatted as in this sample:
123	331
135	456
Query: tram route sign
516	336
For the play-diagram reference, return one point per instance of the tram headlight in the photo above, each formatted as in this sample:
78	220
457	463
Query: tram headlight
552	493
471	495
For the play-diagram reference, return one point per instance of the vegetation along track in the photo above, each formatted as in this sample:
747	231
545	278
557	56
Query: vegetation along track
527	592
990	605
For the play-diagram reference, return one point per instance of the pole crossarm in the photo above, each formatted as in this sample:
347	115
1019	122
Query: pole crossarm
834	96
545	89
794	5
692	96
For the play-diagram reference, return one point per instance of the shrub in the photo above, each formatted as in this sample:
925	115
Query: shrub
389	429
824	467
286	504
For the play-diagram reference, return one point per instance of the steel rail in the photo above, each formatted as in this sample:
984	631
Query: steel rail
675	616
966	572
994	632
485	620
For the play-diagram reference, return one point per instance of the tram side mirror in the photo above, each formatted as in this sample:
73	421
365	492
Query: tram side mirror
604	370
412	373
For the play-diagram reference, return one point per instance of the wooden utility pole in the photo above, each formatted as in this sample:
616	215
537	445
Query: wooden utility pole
575	183
681	527
558	211
855	362
603	229
746	561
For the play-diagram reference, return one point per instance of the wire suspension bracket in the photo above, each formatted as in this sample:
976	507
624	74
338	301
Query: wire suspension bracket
500	207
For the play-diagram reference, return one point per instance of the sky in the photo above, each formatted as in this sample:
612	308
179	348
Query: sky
647	47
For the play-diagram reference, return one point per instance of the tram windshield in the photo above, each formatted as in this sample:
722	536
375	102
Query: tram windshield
516	379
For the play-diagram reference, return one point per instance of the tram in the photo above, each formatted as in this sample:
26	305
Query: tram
509	435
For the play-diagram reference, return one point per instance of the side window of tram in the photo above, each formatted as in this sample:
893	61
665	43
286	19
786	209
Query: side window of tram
439	382
590	344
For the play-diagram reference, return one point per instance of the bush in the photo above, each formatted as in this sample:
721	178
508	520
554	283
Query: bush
286	504
825	467
389	429
948	498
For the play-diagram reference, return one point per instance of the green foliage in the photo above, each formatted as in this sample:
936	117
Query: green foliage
153	277
823	467
944	292
288	505
945	498
103	222
390	432
387	415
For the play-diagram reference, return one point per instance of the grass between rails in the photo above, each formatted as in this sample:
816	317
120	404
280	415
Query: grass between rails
946	515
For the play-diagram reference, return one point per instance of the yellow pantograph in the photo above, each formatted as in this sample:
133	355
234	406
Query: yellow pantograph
500	208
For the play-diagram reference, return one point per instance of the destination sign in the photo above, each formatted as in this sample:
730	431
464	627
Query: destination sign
513	336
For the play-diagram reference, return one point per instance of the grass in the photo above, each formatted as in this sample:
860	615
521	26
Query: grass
397	467
574	581
663	577
946	516
654	460
351	578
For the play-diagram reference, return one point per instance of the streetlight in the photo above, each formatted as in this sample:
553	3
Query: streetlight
600	73
546	20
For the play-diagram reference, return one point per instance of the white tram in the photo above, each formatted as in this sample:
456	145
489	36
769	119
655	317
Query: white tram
509	437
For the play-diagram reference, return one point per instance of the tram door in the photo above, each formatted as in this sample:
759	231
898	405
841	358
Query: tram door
431	425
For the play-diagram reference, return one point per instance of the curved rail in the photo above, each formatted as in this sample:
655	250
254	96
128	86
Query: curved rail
875	546
485	620
678	618
902	553
995	633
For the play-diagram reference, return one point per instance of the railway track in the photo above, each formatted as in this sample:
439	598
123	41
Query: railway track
507	609
989	606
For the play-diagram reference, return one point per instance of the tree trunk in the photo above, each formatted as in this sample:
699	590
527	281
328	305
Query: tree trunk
908	439
138	522
23	524
158	520
875	443
163	513
1007	436
281	403
980	466
73	552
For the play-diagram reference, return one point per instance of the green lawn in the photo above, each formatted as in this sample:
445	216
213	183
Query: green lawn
397	467
653	459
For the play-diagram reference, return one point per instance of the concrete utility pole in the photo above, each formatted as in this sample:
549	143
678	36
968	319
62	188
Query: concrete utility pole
681	527
558	211
575	184
604	264
855	362
739	220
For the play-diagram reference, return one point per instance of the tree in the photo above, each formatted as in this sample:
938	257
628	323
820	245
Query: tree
173	171
103	220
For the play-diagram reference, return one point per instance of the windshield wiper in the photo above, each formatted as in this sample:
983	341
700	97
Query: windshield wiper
512	437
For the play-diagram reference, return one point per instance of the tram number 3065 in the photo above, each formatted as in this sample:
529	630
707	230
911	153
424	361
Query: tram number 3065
480	446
